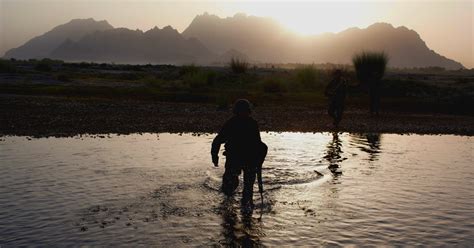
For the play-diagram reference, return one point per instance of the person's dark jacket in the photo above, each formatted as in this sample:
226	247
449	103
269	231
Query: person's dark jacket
336	89
241	137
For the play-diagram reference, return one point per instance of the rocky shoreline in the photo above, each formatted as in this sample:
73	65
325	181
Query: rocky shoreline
43	116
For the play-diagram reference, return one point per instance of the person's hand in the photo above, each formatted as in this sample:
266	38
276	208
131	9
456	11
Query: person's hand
215	160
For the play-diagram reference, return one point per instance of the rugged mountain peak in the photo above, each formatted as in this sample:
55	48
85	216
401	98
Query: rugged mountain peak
263	38
41	46
170	29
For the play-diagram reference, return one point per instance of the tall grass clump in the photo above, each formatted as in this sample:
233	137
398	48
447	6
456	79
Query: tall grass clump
238	65
197	77
370	66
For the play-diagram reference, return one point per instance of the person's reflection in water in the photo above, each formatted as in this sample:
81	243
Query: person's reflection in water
237	233
373	140
333	154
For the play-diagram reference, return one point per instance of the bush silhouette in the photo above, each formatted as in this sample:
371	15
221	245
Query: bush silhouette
197	77
238	65
46	65
7	66
370	66
307	76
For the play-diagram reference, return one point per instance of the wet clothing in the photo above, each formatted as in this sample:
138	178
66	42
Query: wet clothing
230	179
242	142
241	137
336	92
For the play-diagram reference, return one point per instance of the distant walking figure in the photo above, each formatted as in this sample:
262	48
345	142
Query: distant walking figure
244	150
336	93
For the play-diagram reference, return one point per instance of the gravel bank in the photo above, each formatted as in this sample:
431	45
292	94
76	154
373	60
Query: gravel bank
41	116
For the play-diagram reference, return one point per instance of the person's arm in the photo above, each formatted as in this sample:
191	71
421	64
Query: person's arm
216	144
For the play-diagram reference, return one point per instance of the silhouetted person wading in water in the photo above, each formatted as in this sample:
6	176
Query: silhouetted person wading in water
243	151
336	93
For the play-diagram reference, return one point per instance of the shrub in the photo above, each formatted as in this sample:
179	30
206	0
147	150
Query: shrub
133	68
7	66
238	65
273	85
370	66
188	69
211	77
200	79
197	77
44	65
308	76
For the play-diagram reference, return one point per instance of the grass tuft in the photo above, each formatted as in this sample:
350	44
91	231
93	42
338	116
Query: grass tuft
370	66
238	65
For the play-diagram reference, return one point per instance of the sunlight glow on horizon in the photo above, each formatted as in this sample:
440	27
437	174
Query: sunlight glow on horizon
445	26
308	18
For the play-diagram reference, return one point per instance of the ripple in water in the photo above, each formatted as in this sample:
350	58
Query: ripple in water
320	189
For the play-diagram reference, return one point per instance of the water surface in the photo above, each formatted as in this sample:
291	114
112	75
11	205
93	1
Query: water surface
161	189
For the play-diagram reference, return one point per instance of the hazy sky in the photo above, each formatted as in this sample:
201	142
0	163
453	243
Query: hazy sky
446	26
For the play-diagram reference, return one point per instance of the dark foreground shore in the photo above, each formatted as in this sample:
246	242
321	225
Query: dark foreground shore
42	116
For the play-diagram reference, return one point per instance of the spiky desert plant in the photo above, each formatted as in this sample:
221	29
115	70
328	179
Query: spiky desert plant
370	66
238	65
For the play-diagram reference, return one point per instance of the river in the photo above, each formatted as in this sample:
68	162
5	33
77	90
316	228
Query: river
162	190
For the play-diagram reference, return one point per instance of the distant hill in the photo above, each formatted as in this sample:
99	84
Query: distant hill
210	39
404	46
98	41
259	37
42	46
266	41
134	46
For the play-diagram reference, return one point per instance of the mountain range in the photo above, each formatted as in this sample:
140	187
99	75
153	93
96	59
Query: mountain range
211	39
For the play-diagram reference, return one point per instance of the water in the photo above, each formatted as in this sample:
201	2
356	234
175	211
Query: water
162	190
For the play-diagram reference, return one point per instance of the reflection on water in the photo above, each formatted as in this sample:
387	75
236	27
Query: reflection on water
243	232
162	190
369	143
334	152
